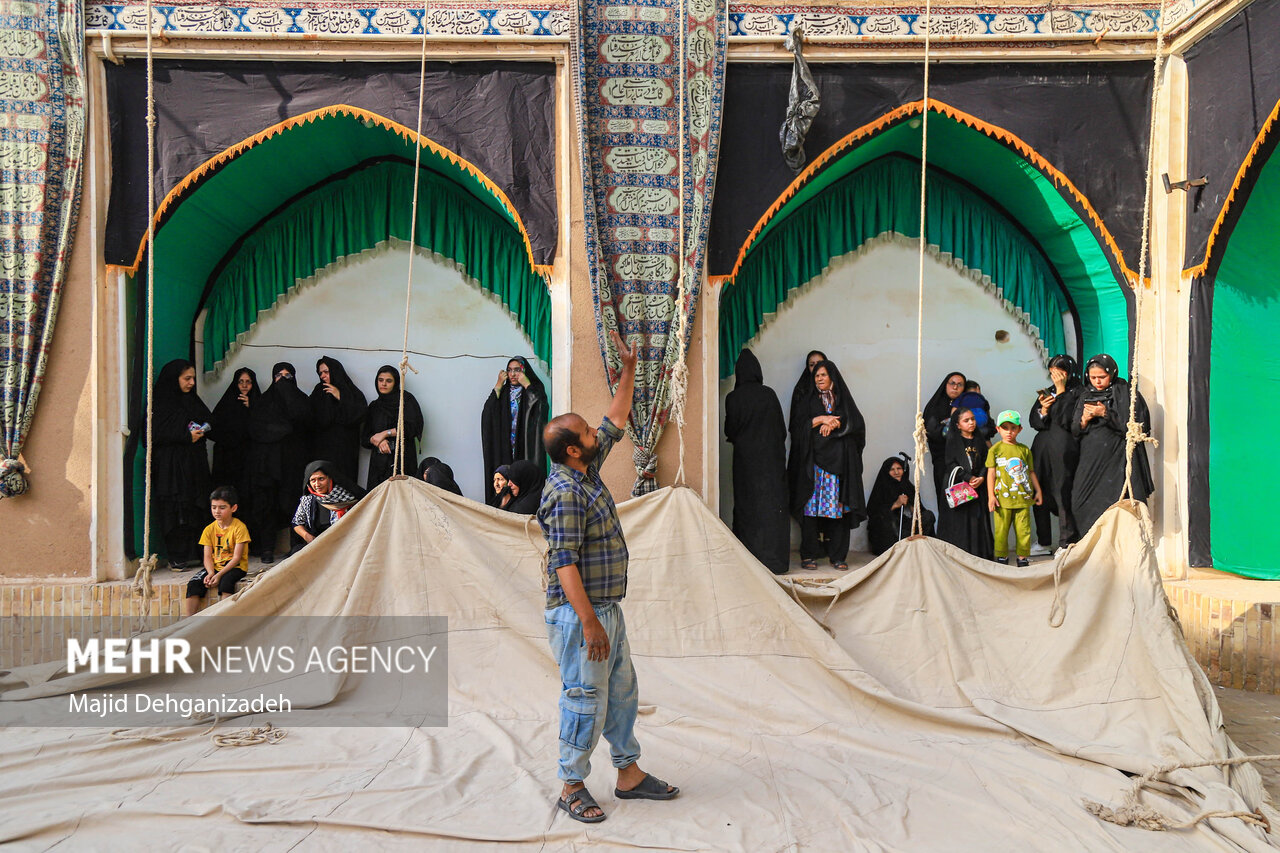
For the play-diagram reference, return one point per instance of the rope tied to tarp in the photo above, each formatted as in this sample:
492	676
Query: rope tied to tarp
919	433
1133	812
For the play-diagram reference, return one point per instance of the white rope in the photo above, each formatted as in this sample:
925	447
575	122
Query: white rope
142	586
922	445
397	462
679	370
1134	436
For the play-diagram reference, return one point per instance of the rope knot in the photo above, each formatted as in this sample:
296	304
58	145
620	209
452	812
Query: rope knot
405	365
646	462
13	476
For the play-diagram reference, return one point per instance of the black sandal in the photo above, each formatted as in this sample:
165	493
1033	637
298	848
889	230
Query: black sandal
582	797
808	564
650	788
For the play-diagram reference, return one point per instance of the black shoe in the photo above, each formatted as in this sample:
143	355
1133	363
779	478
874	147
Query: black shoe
1023	562
267	557
1004	561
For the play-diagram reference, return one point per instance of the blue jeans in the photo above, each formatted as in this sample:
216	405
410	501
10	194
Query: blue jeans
597	697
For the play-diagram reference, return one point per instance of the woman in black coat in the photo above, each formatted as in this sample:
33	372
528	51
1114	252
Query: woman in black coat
337	410
804	386
438	474
1100	421
380	425
892	504
968	526
1056	451
753	425
231	436
937	417
514	415
179	462
278	427
525	487
825	468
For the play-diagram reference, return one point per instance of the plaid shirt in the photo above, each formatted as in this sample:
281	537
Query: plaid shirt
580	522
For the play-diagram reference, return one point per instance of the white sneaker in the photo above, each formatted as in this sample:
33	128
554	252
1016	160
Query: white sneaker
1038	550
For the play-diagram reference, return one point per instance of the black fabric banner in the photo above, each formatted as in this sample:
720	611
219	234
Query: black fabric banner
1234	82
1089	119
497	115
1199	547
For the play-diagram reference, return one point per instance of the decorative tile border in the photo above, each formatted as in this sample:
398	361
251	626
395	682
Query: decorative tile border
552	20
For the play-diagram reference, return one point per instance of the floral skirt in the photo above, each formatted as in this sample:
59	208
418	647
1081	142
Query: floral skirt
825	501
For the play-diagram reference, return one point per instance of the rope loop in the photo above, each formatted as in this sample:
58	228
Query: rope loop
250	737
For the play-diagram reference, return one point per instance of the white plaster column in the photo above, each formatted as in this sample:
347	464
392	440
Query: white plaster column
710	311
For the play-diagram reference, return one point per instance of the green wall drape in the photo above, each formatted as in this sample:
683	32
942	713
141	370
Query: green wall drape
880	198
1244	388
356	213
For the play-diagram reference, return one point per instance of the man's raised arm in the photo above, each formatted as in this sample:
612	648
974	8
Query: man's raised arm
620	409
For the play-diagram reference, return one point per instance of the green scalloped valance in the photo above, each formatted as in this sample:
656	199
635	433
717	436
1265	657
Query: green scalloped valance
355	213
882	198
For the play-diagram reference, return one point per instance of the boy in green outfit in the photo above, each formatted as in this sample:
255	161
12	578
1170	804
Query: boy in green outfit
1012	487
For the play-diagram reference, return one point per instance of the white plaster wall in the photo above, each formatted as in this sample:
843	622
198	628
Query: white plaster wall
862	314
467	335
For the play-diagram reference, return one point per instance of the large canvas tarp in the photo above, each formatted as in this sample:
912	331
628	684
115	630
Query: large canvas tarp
944	713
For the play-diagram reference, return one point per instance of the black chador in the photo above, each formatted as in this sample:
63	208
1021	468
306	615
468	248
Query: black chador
753	425
383	415
337	409
278	426
511	424
892	505
968	526
231	436
937	420
804	386
438	474
179	465
1056	451
1099	476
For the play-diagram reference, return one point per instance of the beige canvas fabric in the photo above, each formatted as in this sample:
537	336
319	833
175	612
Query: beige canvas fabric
943	712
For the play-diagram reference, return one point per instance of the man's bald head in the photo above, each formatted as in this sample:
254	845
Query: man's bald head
561	433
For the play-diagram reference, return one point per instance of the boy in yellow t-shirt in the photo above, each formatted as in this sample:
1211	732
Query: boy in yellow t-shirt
226	550
1012	487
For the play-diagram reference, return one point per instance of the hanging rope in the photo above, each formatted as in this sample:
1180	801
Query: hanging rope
397	462
680	370
142	587
919	434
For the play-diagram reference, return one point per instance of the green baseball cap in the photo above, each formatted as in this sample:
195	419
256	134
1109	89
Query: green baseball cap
1009	416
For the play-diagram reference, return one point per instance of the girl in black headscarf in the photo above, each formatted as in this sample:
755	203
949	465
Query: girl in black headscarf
380	425
825	468
327	495
514	415
231	436
278	425
753	425
1055	451
179	462
337	408
968	526
890	507
1100	421
804	386
525	487
438	474
937	417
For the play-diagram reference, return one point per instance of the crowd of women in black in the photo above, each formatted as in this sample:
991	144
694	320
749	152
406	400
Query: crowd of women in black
1078	452
269	443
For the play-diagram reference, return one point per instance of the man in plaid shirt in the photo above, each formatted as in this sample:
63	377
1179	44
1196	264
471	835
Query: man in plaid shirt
587	578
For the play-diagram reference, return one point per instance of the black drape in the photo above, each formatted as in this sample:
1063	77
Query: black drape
886	525
495	426
1055	451
439	474
335	422
753	425
529	479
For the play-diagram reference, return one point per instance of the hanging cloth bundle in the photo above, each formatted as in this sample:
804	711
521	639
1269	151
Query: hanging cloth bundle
802	103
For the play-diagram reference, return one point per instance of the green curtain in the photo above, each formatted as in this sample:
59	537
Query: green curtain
1244	388
356	213
884	197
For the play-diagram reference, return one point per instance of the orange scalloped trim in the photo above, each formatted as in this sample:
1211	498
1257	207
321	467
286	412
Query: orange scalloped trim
1235	185
228	154
895	115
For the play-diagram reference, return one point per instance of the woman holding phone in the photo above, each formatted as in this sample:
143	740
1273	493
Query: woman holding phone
1056	451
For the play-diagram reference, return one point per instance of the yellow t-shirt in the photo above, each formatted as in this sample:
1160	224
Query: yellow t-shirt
224	543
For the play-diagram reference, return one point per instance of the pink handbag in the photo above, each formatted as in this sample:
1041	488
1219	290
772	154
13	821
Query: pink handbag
960	493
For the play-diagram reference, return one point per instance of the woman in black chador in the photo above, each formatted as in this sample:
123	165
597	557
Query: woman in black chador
968	526
1056	451
753	425
380	425
337	409
891	505
804	386
179	462
231	436
825	468
525	487
439	474
937	419
515	413
1100	421
278	425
